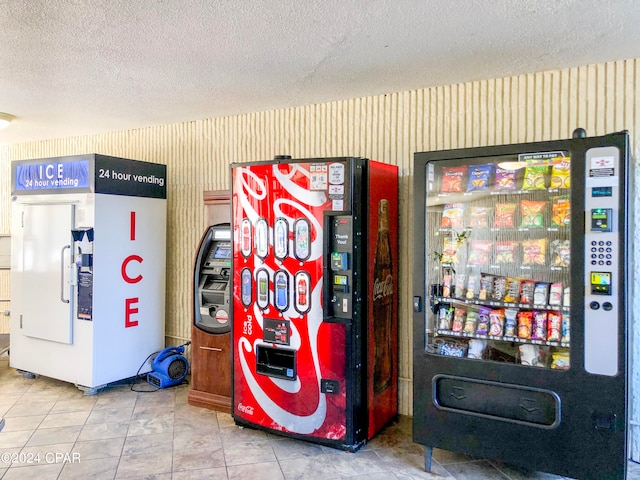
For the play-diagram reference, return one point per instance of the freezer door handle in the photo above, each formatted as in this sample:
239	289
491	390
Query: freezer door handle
62	266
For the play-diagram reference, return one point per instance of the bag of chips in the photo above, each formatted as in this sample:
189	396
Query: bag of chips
482	327
560	253
535	177
458	290
486	286
505	252
505	179
560	360
533	252
513	290
480	252
525	320
470	322
499	288
479	176
505	215
450	251
496	319
510	322
554	326
452	179
447	278
555	294
477	347
445	317
560	211
458	319
539	328
452	349
527	287
479	217
452	215
531	355
566	328
561	174
532	214
541	293
472	285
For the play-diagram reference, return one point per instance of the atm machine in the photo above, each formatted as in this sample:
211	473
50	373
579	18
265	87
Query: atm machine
213	266
211	329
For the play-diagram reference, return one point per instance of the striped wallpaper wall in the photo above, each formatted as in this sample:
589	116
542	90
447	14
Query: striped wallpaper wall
540	106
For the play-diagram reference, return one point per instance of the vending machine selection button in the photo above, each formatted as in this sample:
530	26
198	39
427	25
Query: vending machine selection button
607	306
594	305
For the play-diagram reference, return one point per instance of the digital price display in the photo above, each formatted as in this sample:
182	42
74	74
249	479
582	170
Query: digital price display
601	283
597	192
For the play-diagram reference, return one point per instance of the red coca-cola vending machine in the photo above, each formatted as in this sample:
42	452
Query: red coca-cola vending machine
315	297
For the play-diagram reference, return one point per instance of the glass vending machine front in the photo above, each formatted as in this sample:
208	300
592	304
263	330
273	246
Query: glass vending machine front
497	266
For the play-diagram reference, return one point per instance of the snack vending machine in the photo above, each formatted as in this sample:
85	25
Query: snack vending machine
314	315
520	304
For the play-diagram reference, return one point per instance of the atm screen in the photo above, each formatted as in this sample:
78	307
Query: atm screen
222	251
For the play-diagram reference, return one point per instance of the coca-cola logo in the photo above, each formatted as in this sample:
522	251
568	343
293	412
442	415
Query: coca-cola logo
245	409
382	289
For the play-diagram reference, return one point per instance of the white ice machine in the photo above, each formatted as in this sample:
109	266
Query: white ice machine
87	268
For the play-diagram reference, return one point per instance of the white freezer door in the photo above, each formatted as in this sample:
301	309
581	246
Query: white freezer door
46	287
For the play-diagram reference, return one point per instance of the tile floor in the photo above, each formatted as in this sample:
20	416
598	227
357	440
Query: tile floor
123	434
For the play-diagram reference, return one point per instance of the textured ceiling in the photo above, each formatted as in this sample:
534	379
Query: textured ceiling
79	67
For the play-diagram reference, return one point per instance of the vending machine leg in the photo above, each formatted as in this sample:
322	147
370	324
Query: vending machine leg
428	453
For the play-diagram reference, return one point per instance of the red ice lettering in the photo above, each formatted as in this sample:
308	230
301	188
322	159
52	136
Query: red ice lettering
130	304
125	263
129	310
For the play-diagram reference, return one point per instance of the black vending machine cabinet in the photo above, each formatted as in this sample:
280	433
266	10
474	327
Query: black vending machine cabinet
520	304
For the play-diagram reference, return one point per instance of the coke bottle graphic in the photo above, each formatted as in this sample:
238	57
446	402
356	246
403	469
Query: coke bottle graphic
382	302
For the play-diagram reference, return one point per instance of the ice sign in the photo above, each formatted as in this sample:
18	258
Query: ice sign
52	175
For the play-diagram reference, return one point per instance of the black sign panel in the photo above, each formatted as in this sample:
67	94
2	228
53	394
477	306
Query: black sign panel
119	176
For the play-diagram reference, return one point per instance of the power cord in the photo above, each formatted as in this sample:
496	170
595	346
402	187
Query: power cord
133	383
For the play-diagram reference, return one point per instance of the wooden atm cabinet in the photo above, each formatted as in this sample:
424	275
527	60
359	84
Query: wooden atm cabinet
211	323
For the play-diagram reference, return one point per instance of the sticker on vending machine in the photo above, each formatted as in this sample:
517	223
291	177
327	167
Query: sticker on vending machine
302	239
281	239
262	279
245	237
302	292
281	282
318	181
277	331
336	173
262	238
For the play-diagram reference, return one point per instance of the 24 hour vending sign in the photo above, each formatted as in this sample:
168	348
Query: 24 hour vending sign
86	173
52	175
